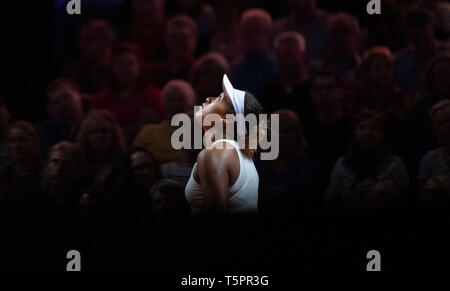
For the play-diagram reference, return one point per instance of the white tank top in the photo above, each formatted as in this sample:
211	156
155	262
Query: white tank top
244	192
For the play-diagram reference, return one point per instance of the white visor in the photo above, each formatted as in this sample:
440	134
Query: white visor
237	98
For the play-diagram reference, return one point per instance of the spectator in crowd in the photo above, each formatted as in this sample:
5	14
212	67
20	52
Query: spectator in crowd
181	42
203	14
375	89
368	169
64	113
206	75
410	64
170	212
147	28
420	137
289	88
329	126
132	101
225	38
4	120
288	183
107	205
146	169
168	201
312	23
20	180
434	171
256	67
90	70
20	184
65	181
102	145
344	37
178	97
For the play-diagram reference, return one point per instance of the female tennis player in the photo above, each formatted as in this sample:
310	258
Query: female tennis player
224	178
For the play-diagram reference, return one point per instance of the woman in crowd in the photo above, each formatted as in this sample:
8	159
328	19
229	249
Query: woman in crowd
107	204
434	173
20	184
368	173
20	180
102	145
132	101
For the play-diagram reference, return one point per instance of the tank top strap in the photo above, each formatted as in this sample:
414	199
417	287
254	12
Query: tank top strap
230	141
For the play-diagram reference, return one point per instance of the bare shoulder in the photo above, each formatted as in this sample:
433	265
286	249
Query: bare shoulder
222	153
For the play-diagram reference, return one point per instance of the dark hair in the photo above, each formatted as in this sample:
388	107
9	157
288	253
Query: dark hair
355	158
252	106
63	81
156	165
118	145
174	189
371	54
31	131
418	19
74	152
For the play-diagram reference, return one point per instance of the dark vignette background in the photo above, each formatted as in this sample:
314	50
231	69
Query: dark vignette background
407	240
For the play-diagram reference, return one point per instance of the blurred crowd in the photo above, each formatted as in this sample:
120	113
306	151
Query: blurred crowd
364	110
